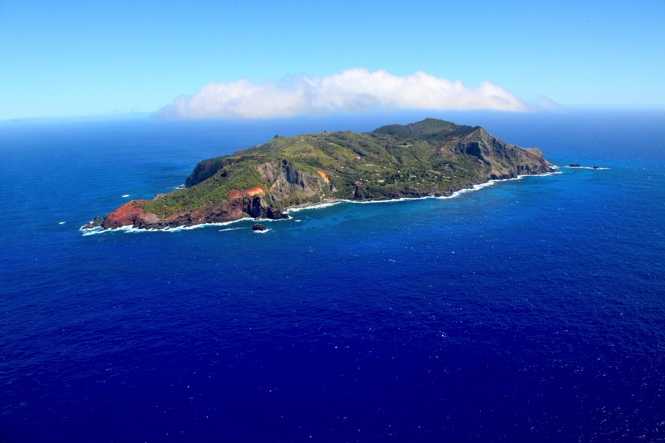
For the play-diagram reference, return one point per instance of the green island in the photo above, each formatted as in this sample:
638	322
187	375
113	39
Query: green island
428	158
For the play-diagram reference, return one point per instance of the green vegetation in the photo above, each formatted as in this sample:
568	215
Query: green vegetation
216	188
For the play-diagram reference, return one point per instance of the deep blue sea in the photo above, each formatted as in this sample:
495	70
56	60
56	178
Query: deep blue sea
530	311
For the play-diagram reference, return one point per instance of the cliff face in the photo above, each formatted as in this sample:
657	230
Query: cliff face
431	157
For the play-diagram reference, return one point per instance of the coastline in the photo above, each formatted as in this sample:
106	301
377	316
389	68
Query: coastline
129	229
476	187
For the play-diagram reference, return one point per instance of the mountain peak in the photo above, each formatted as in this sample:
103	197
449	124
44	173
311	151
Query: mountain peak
429	127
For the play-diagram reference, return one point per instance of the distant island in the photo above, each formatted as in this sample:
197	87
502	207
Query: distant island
428	158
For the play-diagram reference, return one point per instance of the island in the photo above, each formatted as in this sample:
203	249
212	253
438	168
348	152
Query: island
428	158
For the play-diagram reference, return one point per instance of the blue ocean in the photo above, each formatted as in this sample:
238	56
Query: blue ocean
528	311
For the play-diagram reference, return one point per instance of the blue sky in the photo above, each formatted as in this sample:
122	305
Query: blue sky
88	58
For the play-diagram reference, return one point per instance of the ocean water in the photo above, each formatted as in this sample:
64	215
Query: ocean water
532	310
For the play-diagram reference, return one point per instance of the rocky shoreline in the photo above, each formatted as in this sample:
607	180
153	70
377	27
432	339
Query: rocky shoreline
93	228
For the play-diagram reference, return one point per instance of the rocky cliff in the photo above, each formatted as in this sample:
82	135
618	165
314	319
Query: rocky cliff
431	157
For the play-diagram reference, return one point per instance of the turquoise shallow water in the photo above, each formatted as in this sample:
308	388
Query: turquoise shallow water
529	310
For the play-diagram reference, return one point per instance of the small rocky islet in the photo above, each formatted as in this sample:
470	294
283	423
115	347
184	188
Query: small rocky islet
579	166
258	227
428	158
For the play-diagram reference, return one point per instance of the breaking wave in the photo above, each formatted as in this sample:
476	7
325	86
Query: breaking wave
313	206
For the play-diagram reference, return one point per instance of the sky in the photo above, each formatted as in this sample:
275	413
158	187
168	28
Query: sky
250	59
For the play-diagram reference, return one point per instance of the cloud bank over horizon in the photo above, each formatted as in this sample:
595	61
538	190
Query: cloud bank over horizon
351	90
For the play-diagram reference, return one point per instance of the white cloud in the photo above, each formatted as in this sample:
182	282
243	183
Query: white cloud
350	90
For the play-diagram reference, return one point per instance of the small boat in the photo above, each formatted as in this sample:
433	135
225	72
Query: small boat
574	165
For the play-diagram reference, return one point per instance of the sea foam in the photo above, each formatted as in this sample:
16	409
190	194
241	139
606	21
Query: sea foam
134	230
313	206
